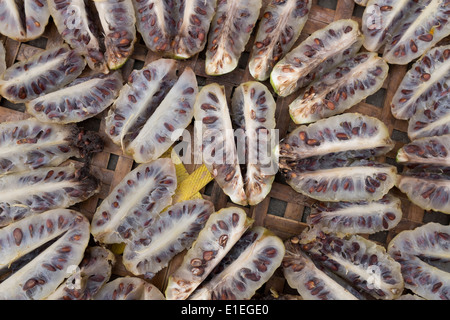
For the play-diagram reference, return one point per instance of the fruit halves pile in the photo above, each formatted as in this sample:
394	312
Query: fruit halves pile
333	160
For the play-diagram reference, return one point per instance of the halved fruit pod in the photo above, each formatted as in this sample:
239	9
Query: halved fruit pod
219	152
37	15
84	98
252	268
231	27
129	288
427	186
431	150
303	275
11	23
253	111
93	272
360	261
77	28
365	217
42	276
418	32
42	73
340	88
27	193
381	18
278	30
334	179
156	23
135	202
418	251
321	51
360	136
138	100
24	236
25	20
424	279
30	144
424	84
118	21
429	241
173	231
432	121
222	230
193	25
167	123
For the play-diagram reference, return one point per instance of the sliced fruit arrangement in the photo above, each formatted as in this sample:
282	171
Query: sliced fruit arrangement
316	55
419	252
75	21
172	231
93	272
82	99
332	159
362	217
129	288
253	112
135	202
302	274
427	186
381	18
222	230
430	150
253	115
418	32
138	99
340	88
30	144
118	21
231	27
152	109
42	73
23	20
43	275
406	28
257	255
425	85
30	192
358	135
362	262
278	30
77	28
340	179
219	151
167	122
175	29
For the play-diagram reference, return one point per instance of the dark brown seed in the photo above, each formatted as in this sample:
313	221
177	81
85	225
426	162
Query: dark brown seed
312	142
426	37
209	120
208	255
196	262
18	235
223	240
222	225
29	284
198	271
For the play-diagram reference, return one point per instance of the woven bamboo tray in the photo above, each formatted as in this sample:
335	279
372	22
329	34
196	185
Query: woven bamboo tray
283	211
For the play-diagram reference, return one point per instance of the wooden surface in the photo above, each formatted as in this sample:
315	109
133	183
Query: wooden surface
284	211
